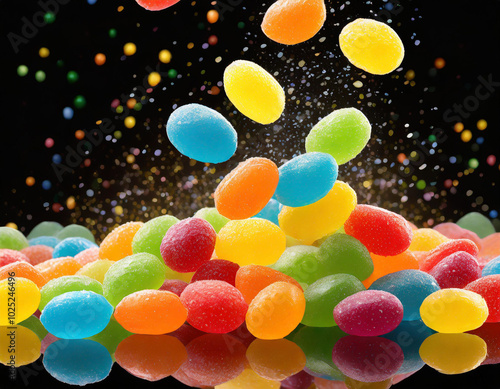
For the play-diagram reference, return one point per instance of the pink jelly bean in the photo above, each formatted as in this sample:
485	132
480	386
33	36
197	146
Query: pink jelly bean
8	256
454	231
456	270
369	313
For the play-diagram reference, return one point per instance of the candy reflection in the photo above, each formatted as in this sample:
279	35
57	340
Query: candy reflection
19	346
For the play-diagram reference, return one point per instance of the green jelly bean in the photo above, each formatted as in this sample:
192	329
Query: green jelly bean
211	215
111	336
300	263
148	238
34	324
477	223
65	284
45	229
75	231
12	239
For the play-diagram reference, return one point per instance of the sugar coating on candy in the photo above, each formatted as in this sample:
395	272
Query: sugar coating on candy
211	215
411	287
246	190
23	270
342	134
151	312
27	346
490	248
444	250
251	279
70	247
50	241
8	256
118	243
174	286
217	269
299	262
323	296
151	357
254	92
321	218
202	134
453	353
156	5
489	288
478	223
426	239
65	284
131	274
87	256
214	306
359	357
456	270
270	211
38	253
188	244
237	242
45	229
76	315
454	231
372	46
293	21
12	239
369	313
492	267
75	231
382	232
77	361
96	270
58	267
454	310
148	238
27	298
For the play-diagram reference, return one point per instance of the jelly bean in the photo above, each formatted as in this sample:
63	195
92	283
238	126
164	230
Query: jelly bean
382	232
188	244
38	254
214	359
24	270
492	267
453	353
490	247
111	336
446	249
45	229
306	179
342	134
173	275
276	311
292	21
96	270
456	270
426	239
490	333
478	223
454	311
148	238
211	215
411	287
275	359
250	380
77	361
50	241
156	5
270	211
217	269
12	239
34	324
359	357
152	357
392	264
301	380
214	306
369	313
75	231
70	247
174	286
131	274
299	262
58	267
251	279
254	92
245	191
151	312
19	346
324	217
323	296
76	315
118	243
87	256
372	46
26	297
489	288
454	231
237	242
61	285
8	256
202	134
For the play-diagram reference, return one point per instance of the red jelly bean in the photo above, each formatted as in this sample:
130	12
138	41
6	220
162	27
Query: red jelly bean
188	244
444	250
214	306
456	270
8	256
490	333
489	288
217	269
382	232
174	286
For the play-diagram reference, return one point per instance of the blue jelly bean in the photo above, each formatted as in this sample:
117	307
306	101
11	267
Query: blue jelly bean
202	134
69	247
492	267
306	179
78	361
411	287
76	315
50	241
271	211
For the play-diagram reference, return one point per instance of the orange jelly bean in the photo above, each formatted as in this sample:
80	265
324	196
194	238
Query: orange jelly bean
387	265
24	270
38	253
58	267
118	244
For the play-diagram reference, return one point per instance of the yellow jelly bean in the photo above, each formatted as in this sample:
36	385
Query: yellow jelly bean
249	379
19	346
454	310
250	241
19	299
321	218
254	92
96	270
426	239
372	46
453	353
173	275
